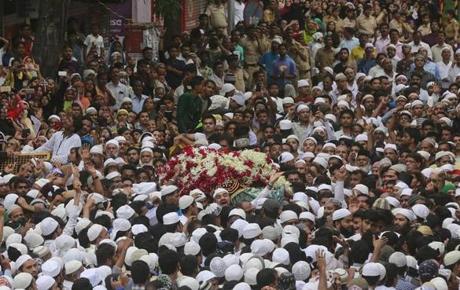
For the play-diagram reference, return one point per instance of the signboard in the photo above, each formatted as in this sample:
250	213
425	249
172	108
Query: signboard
117	21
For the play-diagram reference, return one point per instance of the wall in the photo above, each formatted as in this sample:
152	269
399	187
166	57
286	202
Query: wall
191	9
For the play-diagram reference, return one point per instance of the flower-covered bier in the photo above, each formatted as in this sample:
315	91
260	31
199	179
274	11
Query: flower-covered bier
208	169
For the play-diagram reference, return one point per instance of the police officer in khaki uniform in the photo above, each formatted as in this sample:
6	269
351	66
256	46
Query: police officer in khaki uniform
300	54
252	53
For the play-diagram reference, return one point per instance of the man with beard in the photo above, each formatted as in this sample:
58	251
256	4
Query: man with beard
370	105
68	62
425	76
112	148
86	126
391	152
346	123
410	138
97	156
221	197
304	91
133	155
330	206
373	223
27	264
284	68
62	142
363	161
303	127
343	222
402	219
361	223
16	218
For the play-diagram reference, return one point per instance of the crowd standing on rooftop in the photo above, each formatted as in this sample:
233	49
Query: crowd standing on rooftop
356	103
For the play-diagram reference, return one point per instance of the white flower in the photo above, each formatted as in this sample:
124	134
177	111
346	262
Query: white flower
212	171
194	171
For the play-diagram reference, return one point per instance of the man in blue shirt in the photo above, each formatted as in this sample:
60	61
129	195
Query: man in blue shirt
267	60
368	61
284	68
349	40
138	98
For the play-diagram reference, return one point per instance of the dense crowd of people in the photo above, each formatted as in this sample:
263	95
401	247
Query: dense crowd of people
355	103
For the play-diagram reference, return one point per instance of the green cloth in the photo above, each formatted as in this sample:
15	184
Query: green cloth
320	24
450	5
239	50
448	186
67	105
188	112
250	193
308	36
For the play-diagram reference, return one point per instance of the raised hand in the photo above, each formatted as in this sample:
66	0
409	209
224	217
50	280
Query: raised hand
84	152
75	172
369	128
275	177
379	243
89	166
90	203
321	260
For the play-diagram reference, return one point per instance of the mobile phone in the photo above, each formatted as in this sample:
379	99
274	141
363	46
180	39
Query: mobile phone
62	73
25	133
